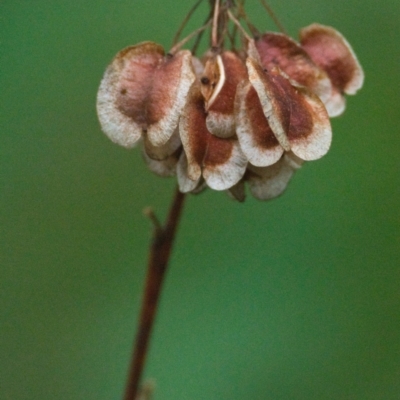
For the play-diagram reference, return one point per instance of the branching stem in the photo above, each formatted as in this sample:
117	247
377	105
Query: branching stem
185	21
237	23
187	38
160	251
214	33
273	16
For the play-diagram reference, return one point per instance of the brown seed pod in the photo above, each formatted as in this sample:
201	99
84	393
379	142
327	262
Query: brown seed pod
221	76
256	138
331	52
143	92
279	50
296	116
270	182
221	162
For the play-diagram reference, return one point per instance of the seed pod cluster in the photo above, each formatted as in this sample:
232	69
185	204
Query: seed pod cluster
234	117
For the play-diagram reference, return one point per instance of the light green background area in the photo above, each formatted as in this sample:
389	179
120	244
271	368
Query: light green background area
293	299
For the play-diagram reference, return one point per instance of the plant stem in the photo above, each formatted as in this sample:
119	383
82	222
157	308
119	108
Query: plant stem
185	21
160	251
214	32
273	16
187	38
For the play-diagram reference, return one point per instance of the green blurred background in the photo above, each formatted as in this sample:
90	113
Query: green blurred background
297	298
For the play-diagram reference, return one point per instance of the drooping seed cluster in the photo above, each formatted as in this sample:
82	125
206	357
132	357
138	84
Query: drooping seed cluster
234	117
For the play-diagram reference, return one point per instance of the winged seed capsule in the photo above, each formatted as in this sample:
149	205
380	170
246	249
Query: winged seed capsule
234	118
142	94
279	50
219	161
296	116
222	74
331	52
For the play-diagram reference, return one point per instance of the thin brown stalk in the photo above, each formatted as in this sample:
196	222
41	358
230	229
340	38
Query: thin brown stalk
242	14
223	28
214	33
200	35
273	16
237	23
185	21
160	251
232	36
190	36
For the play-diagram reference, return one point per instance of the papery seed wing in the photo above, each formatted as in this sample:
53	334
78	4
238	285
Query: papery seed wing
166	167
221	125
220	161
252	51
200	188
270	182
124	92
277	49
198	67
143	91
213	79
185	183
335	104
218	174
238	192
273	101
256	138
193	135
297	117
220	118
165	150
310	132
171	85
331	51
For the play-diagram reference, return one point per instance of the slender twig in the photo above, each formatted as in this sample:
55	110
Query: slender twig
237	23
223	27
273	16
232	36
200	35
214	33
190	36
150	214
160	251
242	14
185	21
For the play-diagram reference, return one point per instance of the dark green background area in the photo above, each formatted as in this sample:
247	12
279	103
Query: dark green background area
293	299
